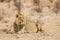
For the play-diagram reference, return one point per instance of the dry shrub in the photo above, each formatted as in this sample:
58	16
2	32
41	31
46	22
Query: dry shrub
56	8
5	0
1	17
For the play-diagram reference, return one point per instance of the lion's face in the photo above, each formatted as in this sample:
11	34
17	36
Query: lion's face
19	19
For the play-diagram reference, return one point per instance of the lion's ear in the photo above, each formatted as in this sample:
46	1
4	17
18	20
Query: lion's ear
16	16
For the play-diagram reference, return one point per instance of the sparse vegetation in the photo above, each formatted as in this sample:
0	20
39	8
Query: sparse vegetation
51	1
37	8
57	6
36	2
1	17
1	0
5	0
18	5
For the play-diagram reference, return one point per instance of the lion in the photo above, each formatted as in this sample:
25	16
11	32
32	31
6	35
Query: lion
23	22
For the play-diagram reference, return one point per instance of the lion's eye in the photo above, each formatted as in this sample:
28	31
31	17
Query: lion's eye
16	16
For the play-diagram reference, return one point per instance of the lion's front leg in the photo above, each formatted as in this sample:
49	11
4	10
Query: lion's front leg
39	27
